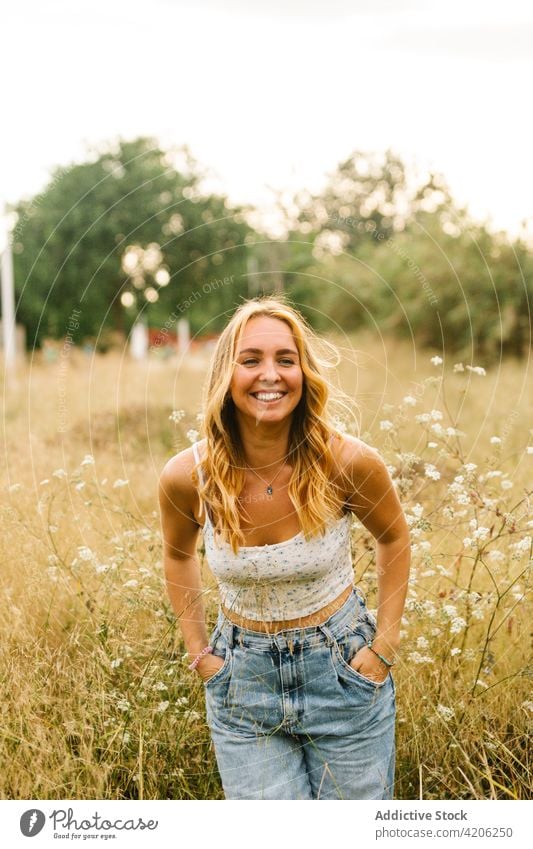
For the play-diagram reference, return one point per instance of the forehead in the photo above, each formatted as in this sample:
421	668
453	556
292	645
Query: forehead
265	332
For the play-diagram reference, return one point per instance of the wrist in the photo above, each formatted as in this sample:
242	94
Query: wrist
386	645
199	656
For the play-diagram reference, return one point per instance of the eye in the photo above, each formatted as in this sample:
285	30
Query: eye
249	360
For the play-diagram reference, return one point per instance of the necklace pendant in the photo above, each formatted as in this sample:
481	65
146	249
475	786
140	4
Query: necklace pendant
269	490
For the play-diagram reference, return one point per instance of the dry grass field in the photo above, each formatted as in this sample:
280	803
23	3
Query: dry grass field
97	701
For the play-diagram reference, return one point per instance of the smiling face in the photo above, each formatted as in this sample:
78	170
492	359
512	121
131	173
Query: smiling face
267	381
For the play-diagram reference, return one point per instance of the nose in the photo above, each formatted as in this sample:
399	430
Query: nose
269	371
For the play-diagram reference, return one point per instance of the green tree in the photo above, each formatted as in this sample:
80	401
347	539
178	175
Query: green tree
130	223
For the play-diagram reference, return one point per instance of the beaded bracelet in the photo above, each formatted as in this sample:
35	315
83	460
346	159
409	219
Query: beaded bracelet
386	662
207	650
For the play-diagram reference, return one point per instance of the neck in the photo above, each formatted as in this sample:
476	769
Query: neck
265	445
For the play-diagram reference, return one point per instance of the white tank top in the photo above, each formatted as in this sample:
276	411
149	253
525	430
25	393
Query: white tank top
284	580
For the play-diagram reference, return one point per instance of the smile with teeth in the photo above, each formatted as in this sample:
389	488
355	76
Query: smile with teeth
268	396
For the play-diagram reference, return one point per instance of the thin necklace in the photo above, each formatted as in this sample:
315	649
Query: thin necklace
269	489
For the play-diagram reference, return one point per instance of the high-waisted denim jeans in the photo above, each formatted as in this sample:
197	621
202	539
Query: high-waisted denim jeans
290	718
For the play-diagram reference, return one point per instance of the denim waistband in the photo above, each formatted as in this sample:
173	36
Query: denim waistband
347	614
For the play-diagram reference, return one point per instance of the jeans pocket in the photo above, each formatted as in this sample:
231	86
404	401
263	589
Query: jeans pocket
344	649
221	648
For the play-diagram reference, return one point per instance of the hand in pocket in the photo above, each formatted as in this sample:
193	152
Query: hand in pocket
209	666
367	664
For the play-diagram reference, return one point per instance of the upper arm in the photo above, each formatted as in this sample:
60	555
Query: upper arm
372	495
177	496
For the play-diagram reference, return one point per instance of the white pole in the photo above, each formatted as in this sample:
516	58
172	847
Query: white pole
8	307
139	341
184	335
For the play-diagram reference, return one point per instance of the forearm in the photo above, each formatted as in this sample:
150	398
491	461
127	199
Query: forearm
184	588
393	565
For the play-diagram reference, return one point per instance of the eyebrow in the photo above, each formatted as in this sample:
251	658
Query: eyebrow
259	351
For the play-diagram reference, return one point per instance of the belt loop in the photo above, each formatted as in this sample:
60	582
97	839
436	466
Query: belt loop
328	635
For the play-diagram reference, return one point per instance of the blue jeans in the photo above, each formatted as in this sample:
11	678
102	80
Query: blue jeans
289	717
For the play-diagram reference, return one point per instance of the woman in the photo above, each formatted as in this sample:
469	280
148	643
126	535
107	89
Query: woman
300	699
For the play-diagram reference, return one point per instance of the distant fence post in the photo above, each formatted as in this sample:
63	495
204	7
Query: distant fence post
139	341
184	335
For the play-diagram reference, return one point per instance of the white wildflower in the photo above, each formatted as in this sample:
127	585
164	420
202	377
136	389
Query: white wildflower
496	556
88	460
44	482
436	415
431	472
162	706
429	608
120	482
468	542
123	704
409	400
529	449
132	583
191	715
481	534
506	484
59	473
437	361
455	651
433	445
416	657
477	370
192	435
481	683
495	440
160	685
422	643
449	610
470	467
102	568
386	425
458	367
176	416
126	737
458	624
447	713
79	485
438	429
85	553
523	545
495	473
422	418
115	663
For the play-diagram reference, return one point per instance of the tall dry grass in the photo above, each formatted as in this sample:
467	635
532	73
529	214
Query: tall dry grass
97	700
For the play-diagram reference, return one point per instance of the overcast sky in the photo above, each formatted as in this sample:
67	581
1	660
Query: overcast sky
274	93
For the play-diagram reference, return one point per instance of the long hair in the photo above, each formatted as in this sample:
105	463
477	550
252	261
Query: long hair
313	425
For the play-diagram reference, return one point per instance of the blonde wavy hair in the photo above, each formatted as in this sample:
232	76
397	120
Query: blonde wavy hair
313	424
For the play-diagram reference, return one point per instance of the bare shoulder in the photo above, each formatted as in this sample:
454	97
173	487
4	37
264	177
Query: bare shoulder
176	482
370	491
354	458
